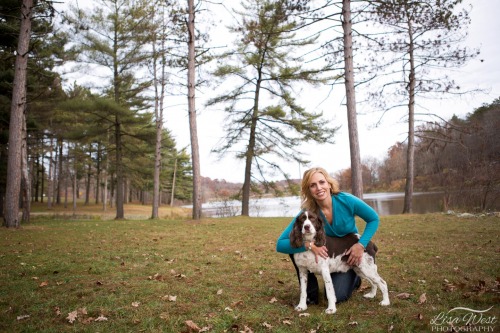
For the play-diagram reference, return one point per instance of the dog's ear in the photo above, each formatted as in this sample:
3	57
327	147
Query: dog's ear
320	237
296	234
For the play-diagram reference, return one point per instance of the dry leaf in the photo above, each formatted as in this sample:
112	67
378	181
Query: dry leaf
57	311
246	330
23	317
420	316
353	323
287	322
403	295
44	284
266	325
390	328
72	316
219	292
205	329
135	304
273	300
227	308
422	299
236	303
192	326
35	277
101	318
305	314
170	298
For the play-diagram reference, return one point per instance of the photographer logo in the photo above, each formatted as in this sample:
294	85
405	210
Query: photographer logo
464	320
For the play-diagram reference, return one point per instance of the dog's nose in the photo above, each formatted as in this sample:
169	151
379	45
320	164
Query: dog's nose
307	227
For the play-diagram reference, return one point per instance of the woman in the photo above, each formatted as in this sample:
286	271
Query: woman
321	194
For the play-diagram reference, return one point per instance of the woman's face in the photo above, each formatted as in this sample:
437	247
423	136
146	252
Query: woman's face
319	187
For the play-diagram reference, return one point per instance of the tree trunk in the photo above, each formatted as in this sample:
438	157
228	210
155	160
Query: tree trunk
26	179
13	188
195	155
410	166
356	169
60	173
173	184
49	176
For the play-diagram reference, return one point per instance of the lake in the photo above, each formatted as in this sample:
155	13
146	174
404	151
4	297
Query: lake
383	203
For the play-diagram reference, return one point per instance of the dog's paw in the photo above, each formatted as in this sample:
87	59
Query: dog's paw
301	308
330	310
385	303
369	295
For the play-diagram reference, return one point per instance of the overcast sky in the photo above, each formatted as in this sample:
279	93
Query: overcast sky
374	141
482	72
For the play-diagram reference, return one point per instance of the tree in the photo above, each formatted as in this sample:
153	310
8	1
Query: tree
17	118
356	167
112	38
263	65
193	130
423	36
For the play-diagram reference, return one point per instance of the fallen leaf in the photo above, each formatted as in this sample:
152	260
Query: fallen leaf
44	284
72	316
422	299
57	311
390	328
205	329
23	317
135	304
236	303
219	292
170	298
403	295
353	323
273	300
227	308
192	326
287	322
420	316
246	330
101	318
305	314
35	277
266	325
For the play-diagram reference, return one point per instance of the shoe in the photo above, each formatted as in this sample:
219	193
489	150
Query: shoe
311	302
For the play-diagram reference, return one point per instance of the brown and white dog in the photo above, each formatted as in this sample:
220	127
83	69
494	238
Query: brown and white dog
308	227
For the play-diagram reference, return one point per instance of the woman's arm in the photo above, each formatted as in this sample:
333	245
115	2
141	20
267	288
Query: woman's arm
369	215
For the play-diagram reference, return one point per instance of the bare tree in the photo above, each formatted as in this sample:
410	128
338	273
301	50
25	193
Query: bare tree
356	168
423	36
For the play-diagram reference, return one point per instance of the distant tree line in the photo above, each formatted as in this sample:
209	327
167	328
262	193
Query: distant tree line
459	157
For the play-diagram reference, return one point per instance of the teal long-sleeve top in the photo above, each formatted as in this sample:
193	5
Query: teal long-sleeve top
345	207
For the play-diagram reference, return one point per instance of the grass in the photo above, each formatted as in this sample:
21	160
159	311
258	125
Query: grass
225	276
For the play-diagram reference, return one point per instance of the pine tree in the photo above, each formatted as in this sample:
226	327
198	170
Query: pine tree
262	65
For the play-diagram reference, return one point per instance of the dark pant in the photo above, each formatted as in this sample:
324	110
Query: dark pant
343	284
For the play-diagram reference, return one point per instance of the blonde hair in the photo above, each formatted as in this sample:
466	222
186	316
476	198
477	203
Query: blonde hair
308	201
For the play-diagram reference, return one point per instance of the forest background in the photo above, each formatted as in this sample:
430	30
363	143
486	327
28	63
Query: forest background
72	125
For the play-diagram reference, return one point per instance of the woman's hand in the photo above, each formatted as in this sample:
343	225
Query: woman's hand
355	253
321	251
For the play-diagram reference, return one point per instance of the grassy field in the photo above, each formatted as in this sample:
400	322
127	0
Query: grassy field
224	275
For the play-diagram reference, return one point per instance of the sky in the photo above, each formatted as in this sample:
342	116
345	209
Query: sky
482	72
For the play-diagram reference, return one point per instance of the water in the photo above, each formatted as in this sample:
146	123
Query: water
383	203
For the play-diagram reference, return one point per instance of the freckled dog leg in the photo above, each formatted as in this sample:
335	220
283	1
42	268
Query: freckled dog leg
371	274
303	290
330	292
